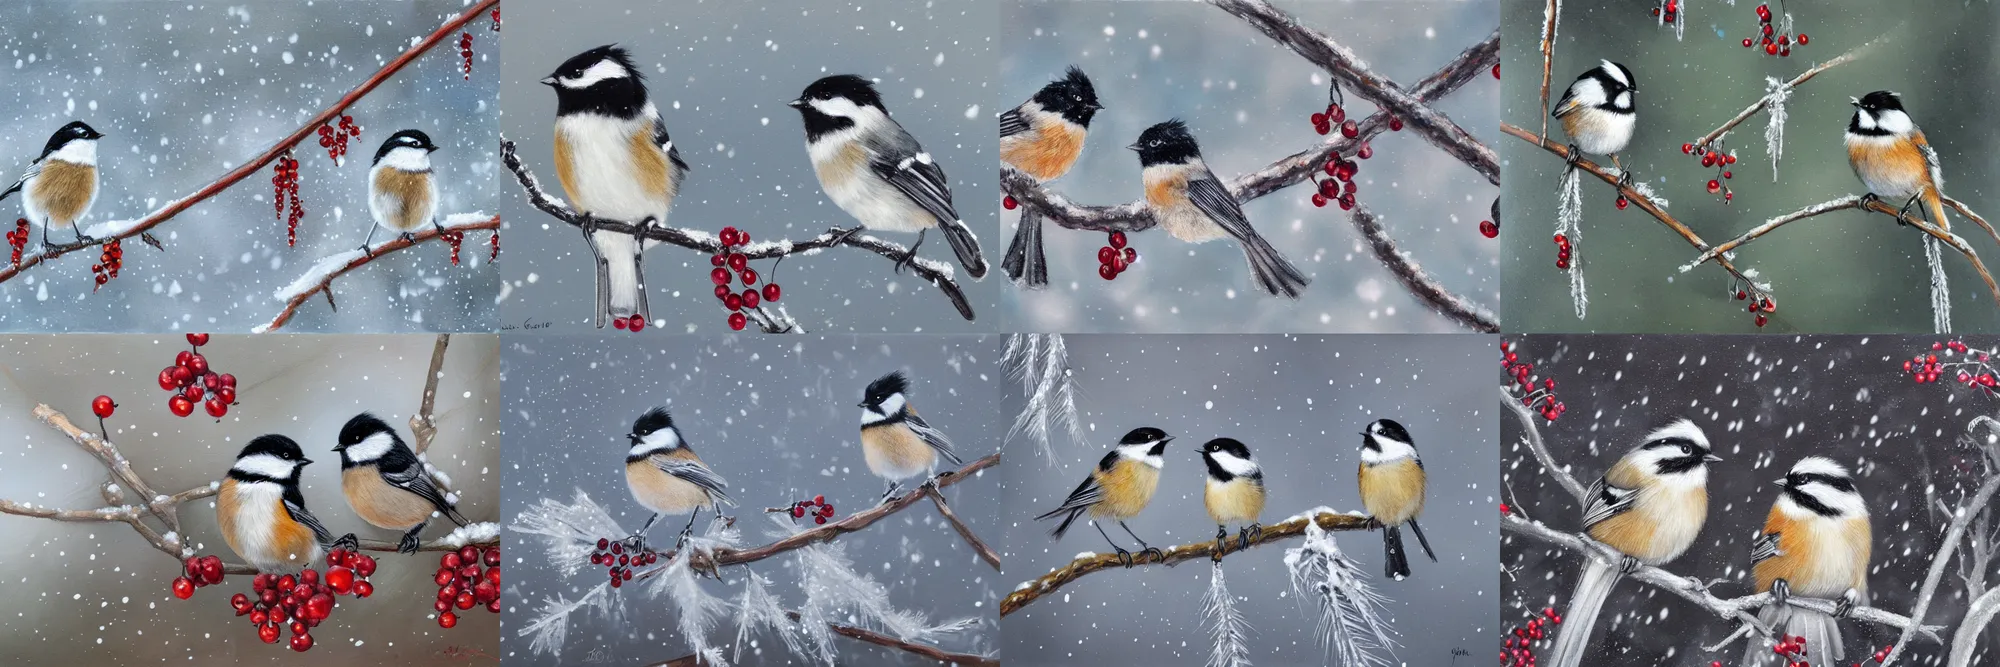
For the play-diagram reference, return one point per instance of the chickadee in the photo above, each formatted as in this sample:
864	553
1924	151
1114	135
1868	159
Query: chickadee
896	442
402	195
1392	489
1815	543
1892	158
1234	493
1194	206
665	475
385	483
261	513
875	171
1120	487
1598	114
1042	138
615	161
1649	506
61	185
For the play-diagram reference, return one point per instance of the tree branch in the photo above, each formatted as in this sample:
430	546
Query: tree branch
1427	289
105	232
1541	450
871	637
320	277
935	272
1033	589
985	552
1764	101
1549	16
1963	518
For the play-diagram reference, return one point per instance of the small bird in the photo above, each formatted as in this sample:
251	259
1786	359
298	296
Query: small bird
1649	506
875	171
1042	138
667	477
402	195
1194	206
616	162
897	443
1597	113
261	513
1118	489
1392	489
1234	493
61	185
386	484
1892	158
1815	543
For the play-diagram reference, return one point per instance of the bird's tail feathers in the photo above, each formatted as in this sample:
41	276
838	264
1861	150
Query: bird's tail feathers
1422	541
1025	263
1573	636
1275	274
966	246
1396	561
622	278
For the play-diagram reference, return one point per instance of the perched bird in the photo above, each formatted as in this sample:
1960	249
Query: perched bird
386	484
897	443
402	194
1815	543
1392	489
261	513
1118	489
61	185
616	162
875	171
1892	158
1234	493
1194	206
1649	506
666	476
1598	114
1042	138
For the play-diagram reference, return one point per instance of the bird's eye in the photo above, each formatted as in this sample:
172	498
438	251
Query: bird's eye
1154	143
1686	449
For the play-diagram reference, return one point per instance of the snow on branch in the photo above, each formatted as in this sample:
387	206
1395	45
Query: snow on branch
1465	312
106	232
1041	363
937	273
319	278
1322	517
1772	100
1227	627
1353	618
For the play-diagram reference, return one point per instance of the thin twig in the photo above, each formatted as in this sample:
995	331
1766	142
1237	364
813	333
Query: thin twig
1854	202
985	552
1548	56
296	295
1533	436
1765	100
1964	517
1453	307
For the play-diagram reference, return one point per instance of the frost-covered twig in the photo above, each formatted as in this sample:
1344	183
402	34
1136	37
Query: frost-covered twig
1041	363
319	277
1550	15
1960	520
1353	624
1765	101
1087	562
1229	631
105	232
1464	311
1533	438
935	272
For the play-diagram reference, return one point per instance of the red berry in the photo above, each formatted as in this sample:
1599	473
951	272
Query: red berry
738	261
194	392
1118	239
1623	202
1746	42
447	619
1488	229
1367	151
1728	174
167	381
1802	39
227	395
750	298
340	579
197	365
197	339
1335	115
718	259
227	380
1714	186
729	236
1347	202
1319	200
269	633
464	601
1762	320
183	588
1496	70
1105	254
180	405
102	406
1318	119
363	589
1131	256
216	408
1350	129
772	292
637	323
719	276
1771	49
798	511
737	321
1103	271
819	520
749	276
1395	124
732	301
1322	127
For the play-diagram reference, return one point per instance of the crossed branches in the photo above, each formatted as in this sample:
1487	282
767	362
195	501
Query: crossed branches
106	232
1411	106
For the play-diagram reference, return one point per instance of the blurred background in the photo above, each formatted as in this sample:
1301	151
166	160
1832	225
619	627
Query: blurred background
1248	101
1841	272
1764	402
1299	403
185	92
776	418
721	73
98	593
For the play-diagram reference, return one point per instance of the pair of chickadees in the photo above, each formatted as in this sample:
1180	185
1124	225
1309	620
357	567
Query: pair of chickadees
1391	478
263	515
61	185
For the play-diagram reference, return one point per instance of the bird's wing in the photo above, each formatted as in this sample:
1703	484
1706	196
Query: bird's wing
1766	547
33	169
414	480
1085	495
693	472
933	437
1606	501
1568	103
1012	123
912	171
1930	161
1214	200
298	513
665	143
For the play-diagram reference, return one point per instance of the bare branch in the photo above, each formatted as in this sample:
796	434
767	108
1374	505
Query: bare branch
985	552
1541	451
1765	100
1427	289
1959	522
1549	17
319	278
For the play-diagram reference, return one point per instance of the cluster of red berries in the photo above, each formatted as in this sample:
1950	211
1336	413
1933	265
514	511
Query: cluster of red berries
818	507
17	240
285	192
732	265
1760	304
496	19
109	261
1563	250
619	560
1339	183
197	571
454	239
334	138
1711	156
1538	396
1790	649
463	584
465	52
1668	12
1517	647
1974	368
493	255
190	379
304	600
1324	122
1115	257
1775	43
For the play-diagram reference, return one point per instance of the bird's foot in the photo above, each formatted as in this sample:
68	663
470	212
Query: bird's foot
1903	214
1625	179
1575	155
1844	607
1155	552
409	544
1243	538
1628	565
1125	557
1221	540
1372	524
1781	591
348	542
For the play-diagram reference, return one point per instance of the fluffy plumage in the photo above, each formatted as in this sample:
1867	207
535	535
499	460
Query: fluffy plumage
384	481
60	186
261	513
1194	206
1815	543
1891	156
1598	111
1393	484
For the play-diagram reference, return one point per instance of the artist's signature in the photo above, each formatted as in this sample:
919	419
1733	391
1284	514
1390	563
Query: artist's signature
528	324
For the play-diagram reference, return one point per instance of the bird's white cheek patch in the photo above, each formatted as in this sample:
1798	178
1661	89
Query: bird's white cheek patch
265	465
602	71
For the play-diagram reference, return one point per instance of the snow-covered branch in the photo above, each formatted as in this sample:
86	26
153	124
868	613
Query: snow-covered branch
1533	438
1464	311
1550	15
937	273
318	279
1088	562
1041	363
1961	519
1766	101
1228	629
1354	624
105	232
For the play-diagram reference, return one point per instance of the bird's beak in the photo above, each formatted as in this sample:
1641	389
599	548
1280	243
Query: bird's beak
305	461
1169	439
339	447
1711	458
798	103
1854	101
549	81
861	405
1779	482
1132	147
634	438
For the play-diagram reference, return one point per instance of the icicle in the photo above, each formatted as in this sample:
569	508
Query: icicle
1569	218
1940	292
569	532
1353	626
696	610
1680	22
1041	362
1774	133
758	609
1228	626
549	629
